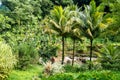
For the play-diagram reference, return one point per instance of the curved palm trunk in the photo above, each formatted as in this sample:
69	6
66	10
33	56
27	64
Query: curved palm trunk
73	52
63	40
90	64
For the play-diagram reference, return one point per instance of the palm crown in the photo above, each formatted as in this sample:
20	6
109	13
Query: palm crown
93	20
60	20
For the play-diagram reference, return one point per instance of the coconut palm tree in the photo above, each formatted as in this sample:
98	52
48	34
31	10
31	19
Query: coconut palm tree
59	23
94	23
74	33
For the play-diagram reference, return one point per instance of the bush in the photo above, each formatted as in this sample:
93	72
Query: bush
110	57
27	54
81	68
98	75
70	68
48	51
51	69
7	60
89	75
59	77
75	68
95	75
96	66
111	65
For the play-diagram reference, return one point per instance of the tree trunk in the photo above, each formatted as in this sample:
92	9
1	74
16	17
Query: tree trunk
73	52
63	40
91	45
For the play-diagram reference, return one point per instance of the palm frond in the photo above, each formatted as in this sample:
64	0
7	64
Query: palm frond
55	24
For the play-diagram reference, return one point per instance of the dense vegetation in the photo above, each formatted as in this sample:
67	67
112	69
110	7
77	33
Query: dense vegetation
43	38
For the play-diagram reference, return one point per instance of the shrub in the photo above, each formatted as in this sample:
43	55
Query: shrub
89	75
96	75
7	60
51	69
48	51
75	68
48	69
110	57
27	54
97	66
70	68
57	68
59	77
81	68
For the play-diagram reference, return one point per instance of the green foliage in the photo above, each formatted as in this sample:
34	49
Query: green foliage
34	70
47	51
112	10
93	21
20	26
59	19
4	23
37	8
70	68
63	3
7	60
81	67
103	75
52	69
31	73
59	77
27	54
89	75
110	57
44	7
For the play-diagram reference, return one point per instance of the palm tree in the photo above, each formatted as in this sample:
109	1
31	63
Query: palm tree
93	23
59	22
75	35
74	32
